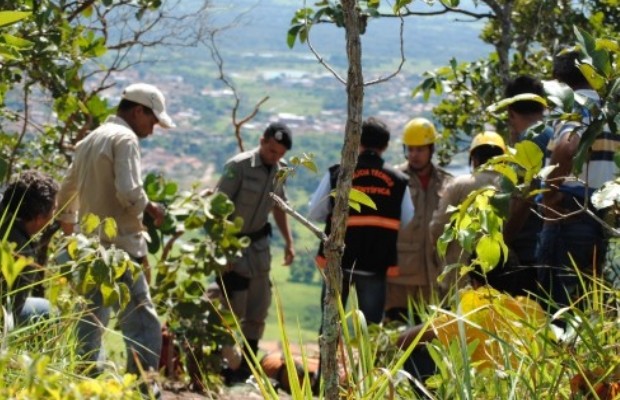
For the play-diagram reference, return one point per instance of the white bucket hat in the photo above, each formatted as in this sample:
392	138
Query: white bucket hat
151	97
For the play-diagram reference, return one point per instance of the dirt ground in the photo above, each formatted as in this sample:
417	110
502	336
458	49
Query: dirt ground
247	391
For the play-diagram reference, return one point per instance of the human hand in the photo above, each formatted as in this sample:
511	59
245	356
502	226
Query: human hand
157	212
67	227
289	255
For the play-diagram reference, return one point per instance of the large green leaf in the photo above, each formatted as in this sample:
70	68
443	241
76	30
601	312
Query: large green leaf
488	251
109	227
219	205
10	17
110	294
529	155
362	198
599	58
90	222
594	78
16	41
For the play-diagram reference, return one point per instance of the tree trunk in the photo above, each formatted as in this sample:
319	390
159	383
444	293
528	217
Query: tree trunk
503	13
334	246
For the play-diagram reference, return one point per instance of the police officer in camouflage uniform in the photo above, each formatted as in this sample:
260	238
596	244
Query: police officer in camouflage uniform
247	180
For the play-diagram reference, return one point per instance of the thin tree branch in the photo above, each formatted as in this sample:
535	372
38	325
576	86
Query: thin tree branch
402	56
297	216
22	133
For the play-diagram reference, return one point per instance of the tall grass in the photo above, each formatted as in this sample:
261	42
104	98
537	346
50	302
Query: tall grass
534	358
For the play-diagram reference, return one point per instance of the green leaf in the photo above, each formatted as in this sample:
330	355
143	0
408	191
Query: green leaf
10	17
109	294
109	228
292	34
529	155
72	248
594	79
219	205
100	271
507	171
171	188
124	295
90	222
501	202
608	44
16	41
12	266
599	58
311	165
488	251
362	198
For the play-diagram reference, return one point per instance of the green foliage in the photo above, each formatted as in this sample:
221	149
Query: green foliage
183	270
477	223
326	11
92	267
11	266
38	378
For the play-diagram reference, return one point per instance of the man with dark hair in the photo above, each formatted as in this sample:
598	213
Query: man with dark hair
27	207
370	241
522	226
247	180
576	240
523	114
105	180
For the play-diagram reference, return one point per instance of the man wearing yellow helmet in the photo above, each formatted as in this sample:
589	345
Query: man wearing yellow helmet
484	146
417	271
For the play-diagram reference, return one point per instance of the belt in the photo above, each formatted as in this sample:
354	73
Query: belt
259	234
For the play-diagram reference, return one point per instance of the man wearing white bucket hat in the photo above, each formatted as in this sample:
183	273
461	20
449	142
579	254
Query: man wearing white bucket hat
105	179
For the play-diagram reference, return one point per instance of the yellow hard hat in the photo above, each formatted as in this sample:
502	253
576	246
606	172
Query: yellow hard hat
487	138
419	132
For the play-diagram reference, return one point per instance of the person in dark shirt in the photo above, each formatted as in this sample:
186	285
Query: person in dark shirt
27	207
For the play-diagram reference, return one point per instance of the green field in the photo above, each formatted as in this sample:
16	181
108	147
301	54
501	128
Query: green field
301	305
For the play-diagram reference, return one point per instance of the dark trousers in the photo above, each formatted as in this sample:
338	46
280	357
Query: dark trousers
564	246
370	291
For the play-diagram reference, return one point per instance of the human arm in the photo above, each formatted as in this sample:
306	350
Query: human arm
127	173
564	150
407	337
320	205
157	212
283	226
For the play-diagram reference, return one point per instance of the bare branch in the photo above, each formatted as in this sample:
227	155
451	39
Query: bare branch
300	218
443	11
402	56
22	133
322	61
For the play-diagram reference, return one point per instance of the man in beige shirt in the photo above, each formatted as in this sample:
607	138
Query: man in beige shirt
415	277
105	180
484	146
